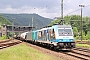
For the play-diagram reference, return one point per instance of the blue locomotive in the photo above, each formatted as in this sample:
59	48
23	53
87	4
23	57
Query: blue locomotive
57	37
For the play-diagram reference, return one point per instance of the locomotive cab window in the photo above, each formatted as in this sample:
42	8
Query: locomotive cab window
64	32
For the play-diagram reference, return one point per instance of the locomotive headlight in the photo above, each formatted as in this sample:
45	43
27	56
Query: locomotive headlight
71	39
61	40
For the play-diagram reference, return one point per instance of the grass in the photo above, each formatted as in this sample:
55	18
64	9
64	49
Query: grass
83	45
82	40
24	52
3	37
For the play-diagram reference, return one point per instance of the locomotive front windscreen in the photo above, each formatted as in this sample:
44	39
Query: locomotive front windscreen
65	32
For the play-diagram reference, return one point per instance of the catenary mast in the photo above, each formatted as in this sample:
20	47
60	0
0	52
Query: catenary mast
62	21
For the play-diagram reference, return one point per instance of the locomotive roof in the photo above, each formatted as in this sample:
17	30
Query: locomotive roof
63	26
58	26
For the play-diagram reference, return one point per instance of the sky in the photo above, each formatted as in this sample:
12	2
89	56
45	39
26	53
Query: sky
45	8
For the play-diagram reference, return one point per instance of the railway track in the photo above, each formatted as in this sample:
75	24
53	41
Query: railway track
82	49
83	43
5	41
78	55
8	43
74	54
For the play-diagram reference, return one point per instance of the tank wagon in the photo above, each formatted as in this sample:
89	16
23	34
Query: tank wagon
22	36
57	37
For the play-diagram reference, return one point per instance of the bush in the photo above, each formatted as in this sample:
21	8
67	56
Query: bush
88	35
3	37
77	37
85	38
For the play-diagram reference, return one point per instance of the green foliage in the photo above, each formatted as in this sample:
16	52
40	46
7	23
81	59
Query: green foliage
3	37
83	45
4	20
75	30
75	22
24	52
85	38
88	35
38	21
54	22
67	19
26	19
77	37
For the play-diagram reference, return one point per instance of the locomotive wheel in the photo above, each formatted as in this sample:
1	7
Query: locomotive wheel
51	46
56	48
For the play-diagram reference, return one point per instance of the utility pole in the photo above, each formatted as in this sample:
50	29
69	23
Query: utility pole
36	26
81	19
32	23
62	12
13	27
29	24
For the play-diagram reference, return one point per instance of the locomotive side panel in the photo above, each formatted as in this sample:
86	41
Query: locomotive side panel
58	36
34	35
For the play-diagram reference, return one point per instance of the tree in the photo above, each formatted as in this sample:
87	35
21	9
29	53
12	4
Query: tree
4	20
75	22
54	22
88	35
75	30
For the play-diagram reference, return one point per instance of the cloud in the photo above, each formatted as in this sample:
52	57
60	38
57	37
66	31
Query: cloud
45	8
45	12
31	3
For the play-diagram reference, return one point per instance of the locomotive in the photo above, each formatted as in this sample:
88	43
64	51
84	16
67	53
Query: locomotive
57	37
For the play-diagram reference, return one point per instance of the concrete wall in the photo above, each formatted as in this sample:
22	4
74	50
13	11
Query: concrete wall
5	29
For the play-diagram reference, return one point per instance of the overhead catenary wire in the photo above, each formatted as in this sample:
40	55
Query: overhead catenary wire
72	12
75	10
